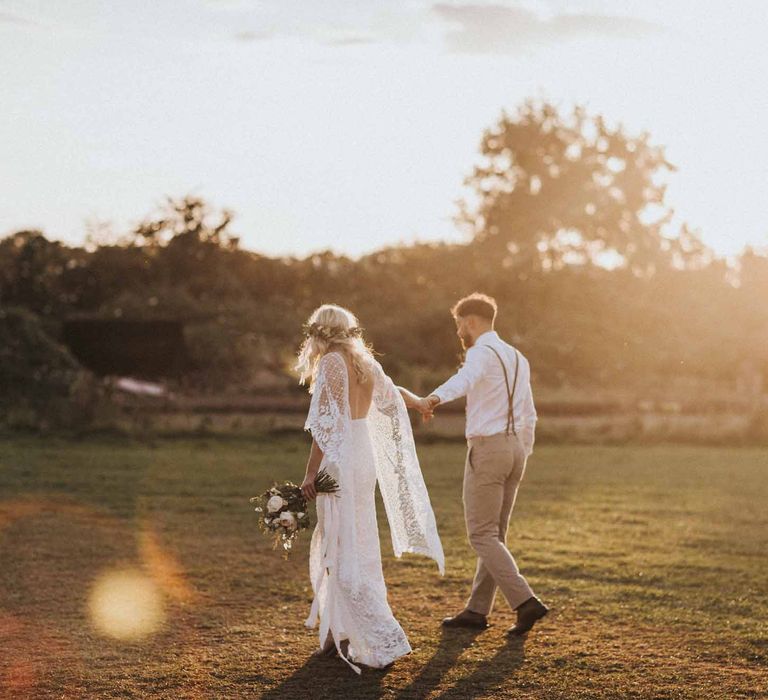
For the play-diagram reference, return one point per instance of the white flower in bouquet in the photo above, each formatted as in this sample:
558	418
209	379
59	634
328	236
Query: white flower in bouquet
283	512
288	520
276	503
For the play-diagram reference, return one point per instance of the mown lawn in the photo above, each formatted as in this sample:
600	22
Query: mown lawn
652	558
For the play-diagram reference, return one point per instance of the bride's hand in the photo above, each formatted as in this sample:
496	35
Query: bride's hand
308	489
426	407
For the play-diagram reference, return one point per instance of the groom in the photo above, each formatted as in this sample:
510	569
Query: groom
501	418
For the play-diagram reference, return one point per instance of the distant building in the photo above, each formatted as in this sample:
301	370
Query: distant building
145	349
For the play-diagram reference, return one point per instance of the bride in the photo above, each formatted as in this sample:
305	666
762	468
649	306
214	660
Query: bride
361	434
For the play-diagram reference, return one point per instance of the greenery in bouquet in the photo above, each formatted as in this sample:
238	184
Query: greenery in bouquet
283	509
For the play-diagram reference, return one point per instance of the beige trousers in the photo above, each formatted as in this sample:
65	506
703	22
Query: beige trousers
492	473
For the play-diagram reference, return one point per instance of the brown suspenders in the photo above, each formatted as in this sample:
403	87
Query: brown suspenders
511	411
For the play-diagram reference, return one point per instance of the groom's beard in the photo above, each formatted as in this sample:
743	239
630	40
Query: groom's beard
466	342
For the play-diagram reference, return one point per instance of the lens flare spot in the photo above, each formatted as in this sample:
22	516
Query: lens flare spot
126	604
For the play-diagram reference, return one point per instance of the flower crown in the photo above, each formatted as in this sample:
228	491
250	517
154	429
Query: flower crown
328	333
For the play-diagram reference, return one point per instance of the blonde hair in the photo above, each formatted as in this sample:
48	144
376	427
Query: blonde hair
331	327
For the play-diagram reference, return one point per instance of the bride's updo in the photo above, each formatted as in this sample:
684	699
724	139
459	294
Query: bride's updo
330	328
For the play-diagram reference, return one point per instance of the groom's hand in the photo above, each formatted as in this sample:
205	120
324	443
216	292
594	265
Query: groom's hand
426	407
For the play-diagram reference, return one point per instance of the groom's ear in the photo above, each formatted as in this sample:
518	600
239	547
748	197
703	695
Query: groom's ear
470	320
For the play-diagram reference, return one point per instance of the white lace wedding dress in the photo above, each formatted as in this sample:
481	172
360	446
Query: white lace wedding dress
345	556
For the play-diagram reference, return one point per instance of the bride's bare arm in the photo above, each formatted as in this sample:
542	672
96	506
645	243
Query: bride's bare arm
313	466
414	401
411	400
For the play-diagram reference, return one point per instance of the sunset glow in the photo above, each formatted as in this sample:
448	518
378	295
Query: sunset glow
352	125
126	605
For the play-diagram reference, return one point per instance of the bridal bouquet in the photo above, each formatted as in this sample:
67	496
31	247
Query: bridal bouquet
283	509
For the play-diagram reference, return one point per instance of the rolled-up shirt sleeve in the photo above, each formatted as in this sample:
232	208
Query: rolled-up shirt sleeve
527	429
467	376
529	416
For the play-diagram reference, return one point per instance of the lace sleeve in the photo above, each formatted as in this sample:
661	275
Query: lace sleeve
385	394
403	491
328	409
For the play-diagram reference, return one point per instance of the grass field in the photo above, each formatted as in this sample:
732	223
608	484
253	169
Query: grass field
652	558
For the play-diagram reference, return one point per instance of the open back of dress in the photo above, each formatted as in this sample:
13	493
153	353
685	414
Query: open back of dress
375	444
360	394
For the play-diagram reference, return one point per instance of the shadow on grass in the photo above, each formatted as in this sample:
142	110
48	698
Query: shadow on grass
331	678
452	643
488	674
322	677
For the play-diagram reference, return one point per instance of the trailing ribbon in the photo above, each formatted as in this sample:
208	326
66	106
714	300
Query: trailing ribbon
330	508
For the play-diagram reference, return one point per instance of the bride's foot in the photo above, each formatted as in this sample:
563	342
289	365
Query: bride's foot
328	649
344	644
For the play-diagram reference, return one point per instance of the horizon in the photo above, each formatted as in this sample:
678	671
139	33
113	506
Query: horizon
316	126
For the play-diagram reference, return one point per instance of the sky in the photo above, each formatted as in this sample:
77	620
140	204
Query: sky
352	125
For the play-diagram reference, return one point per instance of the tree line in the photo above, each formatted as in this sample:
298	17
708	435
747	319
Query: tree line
567	226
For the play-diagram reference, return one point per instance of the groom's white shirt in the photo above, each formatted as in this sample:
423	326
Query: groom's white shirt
481	380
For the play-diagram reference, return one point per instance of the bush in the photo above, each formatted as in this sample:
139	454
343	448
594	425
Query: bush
41	383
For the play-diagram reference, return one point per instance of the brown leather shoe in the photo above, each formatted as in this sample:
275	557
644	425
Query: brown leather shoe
528	614
467	618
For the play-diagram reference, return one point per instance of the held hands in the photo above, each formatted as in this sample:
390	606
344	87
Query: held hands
426	406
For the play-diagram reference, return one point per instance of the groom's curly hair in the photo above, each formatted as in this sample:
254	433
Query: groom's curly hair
476	304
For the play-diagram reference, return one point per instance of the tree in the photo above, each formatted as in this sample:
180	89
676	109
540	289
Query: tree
553	190
39	274
183	220
37	374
